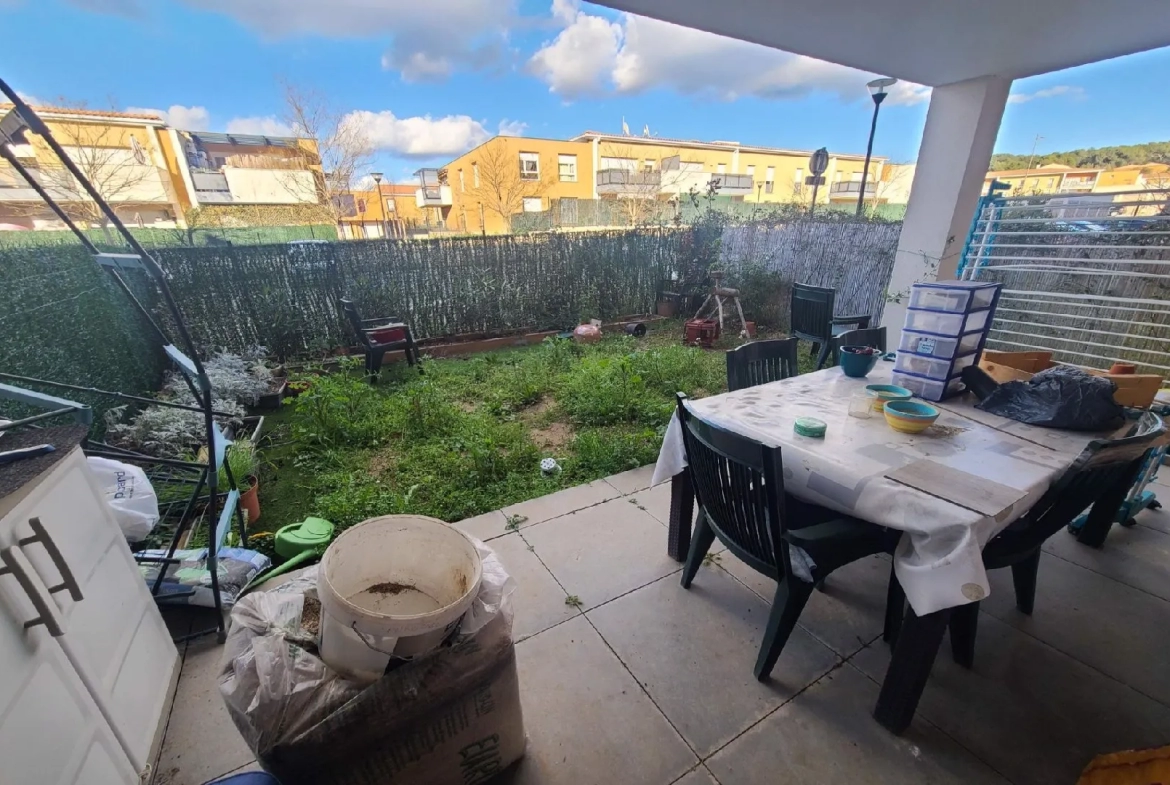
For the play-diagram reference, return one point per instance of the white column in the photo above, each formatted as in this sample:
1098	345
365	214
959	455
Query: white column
961	127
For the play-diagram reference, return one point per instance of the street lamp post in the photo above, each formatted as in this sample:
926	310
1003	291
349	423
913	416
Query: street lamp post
877	89
381	207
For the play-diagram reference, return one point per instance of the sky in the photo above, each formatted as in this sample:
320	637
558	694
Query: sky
429	79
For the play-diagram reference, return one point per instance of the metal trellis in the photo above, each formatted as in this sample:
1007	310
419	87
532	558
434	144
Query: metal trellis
182	352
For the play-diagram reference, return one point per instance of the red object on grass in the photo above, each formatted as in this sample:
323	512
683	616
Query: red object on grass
388	333
701	332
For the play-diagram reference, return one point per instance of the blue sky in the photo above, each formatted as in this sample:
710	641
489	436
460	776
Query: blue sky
430	78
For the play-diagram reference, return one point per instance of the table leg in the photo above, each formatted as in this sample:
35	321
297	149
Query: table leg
682	511
914	654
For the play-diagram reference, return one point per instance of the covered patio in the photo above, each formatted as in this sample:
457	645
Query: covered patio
645	682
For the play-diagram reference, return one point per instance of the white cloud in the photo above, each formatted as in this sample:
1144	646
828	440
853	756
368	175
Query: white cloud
428	39
1068	91
30	99
261	126
593	54
186	118
581	59
512	127
419	137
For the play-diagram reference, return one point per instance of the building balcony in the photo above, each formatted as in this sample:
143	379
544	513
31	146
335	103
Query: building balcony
236	185
733	184
433	196
850	187
623	182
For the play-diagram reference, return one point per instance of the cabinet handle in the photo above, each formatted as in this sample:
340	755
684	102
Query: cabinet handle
41	535
16	564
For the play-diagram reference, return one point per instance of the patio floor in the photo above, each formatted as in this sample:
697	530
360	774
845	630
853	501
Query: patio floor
648	683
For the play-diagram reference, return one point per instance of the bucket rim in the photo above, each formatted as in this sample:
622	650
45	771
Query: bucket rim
335	597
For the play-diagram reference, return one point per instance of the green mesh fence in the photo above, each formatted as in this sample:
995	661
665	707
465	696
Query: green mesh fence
286	299
172	238
62	318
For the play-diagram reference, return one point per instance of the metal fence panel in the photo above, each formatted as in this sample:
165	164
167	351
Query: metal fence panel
1085	276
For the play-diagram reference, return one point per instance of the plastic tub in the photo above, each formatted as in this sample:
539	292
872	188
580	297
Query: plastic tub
395	585
945	346
930	389
950	324
952	296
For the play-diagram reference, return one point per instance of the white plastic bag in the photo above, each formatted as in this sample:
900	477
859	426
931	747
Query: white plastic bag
129	494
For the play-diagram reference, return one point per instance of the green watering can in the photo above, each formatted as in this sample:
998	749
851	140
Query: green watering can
297	543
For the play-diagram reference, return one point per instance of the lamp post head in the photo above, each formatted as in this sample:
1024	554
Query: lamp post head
878	88
377	177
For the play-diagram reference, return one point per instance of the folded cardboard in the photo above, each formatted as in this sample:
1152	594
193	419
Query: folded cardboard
1137	389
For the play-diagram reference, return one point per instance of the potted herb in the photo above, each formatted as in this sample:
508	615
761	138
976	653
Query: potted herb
241	459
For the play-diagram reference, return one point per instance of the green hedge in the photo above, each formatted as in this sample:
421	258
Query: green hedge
63	318
171	238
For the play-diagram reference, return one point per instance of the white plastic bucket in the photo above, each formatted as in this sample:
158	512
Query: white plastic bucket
394	585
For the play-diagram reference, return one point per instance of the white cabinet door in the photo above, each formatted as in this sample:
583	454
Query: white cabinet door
114	634
51	731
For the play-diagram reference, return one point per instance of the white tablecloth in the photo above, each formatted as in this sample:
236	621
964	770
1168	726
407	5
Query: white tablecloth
939	558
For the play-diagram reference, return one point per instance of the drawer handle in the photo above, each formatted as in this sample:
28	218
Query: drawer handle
15	563
41	535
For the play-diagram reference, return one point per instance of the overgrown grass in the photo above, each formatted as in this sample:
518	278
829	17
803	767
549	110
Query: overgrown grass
463	439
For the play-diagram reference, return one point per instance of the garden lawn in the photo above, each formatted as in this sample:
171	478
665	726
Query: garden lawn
468	436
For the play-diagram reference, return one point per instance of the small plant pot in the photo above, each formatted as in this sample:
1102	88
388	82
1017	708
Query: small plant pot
250	499
750	329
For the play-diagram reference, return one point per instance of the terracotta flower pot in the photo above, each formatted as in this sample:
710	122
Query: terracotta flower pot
1123	368
250	499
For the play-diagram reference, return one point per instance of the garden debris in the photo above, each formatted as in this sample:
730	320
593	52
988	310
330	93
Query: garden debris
449	717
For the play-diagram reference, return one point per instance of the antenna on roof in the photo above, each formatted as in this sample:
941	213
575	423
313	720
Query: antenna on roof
625	127
646	130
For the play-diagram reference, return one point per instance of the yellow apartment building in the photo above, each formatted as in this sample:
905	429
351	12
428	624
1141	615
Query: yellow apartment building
153	175
1046	179
396	215
128	157
482	189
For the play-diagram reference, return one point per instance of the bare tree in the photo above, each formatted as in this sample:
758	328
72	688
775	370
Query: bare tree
113	158
647	193
501	188
342	153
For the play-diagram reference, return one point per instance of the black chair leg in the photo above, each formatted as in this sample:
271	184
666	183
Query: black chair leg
1024	578
701	541
909	669
964	625
823	357
812	349
791	596
895	609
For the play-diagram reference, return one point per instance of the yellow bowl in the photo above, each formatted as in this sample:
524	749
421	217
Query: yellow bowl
883	393
909	416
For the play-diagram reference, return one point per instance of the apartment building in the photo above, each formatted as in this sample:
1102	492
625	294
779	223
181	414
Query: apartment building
153	175
482	189
126	156
388	212
1046	179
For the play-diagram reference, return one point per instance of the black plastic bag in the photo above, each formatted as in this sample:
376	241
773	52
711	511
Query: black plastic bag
1060	397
